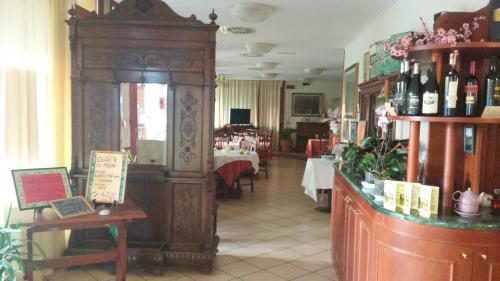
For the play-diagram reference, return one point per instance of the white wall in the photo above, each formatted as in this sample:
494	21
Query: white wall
403	16
330	89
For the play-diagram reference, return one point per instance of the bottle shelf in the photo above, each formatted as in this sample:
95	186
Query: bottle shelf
477	50
441	119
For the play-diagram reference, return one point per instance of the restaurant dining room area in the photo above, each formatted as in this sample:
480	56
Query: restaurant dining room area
158	140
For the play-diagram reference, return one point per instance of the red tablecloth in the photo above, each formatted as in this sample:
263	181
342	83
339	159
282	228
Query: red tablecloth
230	171
313	148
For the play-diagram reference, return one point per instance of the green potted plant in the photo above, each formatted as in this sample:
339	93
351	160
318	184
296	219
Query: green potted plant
286	142
383	163
11	260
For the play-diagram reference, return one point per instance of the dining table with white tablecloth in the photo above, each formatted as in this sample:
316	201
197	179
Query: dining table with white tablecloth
318	174
230	163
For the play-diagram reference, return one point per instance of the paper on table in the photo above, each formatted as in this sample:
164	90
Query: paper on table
107	176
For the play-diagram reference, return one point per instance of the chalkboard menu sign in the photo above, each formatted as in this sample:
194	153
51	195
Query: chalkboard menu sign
71	207
107	176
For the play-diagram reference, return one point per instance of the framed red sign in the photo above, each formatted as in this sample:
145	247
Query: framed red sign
37	187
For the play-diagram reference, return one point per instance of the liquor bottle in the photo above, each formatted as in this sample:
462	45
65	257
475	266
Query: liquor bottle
401	88
492	86
414	94
471	92
494	20
430	98
451	89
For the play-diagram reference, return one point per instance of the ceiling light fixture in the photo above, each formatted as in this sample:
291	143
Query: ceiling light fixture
314	70
236	30
251	11
267	65
306	80
258	48
287	53
269	75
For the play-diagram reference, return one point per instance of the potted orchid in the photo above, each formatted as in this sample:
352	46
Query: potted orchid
333	118
381	159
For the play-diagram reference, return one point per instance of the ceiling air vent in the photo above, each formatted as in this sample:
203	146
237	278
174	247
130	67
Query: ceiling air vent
250	55
236	30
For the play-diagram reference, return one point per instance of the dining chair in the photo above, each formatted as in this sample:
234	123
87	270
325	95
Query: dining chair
247	174
324	141
264	151
220	142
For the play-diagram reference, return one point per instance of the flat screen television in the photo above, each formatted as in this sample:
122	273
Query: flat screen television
239	116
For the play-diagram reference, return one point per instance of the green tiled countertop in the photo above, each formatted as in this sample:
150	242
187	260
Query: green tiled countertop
485	221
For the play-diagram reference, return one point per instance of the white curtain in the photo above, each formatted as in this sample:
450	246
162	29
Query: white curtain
262	97
235	94
269	108
26	112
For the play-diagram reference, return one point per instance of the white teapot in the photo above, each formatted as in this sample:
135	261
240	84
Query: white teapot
468	201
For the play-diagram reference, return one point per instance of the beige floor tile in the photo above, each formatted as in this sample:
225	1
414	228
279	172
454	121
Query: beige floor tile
286	255
265	261
288	271
169	274
312	277
223	259
311	264
271	234
307	249
71	274
239	269
241	253
215	275
262	276
328	272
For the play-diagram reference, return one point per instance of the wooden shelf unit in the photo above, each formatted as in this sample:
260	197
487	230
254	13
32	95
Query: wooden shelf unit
369	91
456	120
448	166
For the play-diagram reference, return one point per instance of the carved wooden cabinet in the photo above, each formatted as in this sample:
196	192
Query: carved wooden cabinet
144	41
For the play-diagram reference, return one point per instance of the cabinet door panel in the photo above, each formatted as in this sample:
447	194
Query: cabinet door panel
341	227
362	248
350	228
486	264
418	260
337	222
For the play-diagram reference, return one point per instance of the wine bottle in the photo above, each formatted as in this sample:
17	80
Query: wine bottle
430	98
492	86
451	89
401	88
471	91
414	99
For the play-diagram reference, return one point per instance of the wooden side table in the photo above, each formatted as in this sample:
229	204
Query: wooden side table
48	221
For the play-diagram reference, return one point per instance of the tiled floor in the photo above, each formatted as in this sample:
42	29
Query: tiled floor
272	234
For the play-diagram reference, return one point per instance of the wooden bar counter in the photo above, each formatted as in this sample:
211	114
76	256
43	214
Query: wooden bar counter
370	243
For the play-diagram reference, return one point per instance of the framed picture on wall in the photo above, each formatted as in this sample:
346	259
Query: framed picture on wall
308	105
350	91
366	66
353	130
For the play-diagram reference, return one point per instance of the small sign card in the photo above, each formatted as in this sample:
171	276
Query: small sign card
71	207
491	112
107	176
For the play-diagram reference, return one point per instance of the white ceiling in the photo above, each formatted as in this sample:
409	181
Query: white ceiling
317	30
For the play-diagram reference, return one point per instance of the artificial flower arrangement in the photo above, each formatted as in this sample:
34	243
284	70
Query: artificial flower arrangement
399	48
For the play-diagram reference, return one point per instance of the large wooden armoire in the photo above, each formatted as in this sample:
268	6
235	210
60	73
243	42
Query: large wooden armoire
145	41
